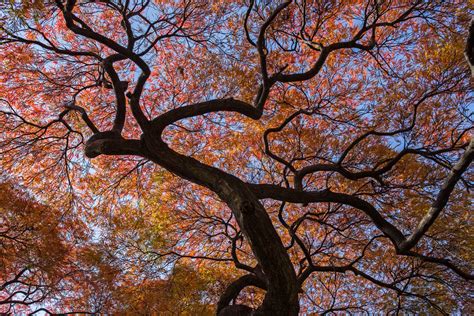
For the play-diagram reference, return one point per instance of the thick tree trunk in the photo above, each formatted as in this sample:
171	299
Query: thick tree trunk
282	287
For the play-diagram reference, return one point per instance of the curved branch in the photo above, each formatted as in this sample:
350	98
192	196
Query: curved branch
264	191
376	174
119	90
469	51
86	31
262	51
279	129
211	106
247	15
441	261
441	199
84	116
233	290
391	286
352	43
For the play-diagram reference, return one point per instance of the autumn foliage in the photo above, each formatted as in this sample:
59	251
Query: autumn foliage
191	157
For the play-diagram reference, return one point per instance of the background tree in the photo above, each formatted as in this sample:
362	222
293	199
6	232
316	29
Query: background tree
50	262
321	147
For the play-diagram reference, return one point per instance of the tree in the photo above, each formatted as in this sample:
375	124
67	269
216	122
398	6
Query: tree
321	147
38	251
49	263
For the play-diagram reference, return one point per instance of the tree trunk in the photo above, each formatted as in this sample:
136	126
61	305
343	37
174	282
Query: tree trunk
282	287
